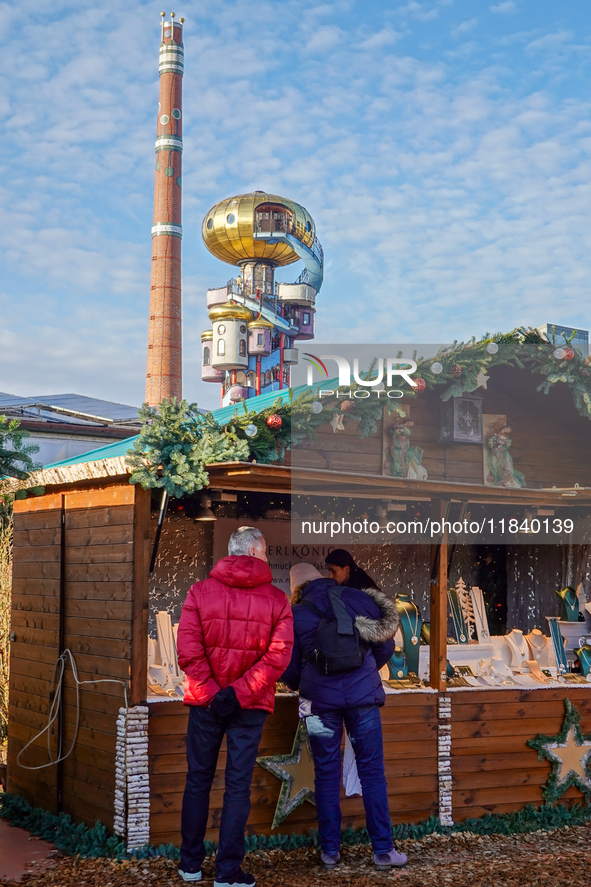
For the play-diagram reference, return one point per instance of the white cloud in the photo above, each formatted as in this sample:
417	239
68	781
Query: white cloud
508	7
464	27
415	10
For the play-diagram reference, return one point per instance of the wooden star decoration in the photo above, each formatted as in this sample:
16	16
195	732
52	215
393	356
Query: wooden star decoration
481	380
337	422
296	772
569	753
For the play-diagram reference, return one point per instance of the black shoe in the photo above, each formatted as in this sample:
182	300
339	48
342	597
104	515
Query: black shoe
238	879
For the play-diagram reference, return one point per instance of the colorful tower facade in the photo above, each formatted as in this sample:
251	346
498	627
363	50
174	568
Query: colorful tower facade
164	370
255	321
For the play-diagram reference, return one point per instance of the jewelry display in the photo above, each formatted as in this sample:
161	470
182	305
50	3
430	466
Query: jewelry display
500	667
457	616
426	633
518	646
525	680
583	654
466	672
540	646
465	602
397	667
410	624
558	644
537	672
574	678
480	617
570	604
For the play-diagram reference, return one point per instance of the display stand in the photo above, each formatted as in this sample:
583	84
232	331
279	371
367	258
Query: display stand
410	625
457	615
480	617
558	644
570	604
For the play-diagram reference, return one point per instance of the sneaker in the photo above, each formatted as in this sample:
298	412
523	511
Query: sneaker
191	876
386	861
329	860
239	879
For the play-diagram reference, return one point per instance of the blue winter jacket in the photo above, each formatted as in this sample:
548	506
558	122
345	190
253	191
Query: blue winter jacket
377	620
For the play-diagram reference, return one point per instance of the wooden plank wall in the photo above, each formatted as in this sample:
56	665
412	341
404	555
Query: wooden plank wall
493	768
410	751
106	532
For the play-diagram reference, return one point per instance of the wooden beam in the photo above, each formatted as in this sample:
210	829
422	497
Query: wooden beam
438	634
141	596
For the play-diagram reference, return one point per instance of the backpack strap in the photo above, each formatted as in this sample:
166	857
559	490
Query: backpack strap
310	606
311	657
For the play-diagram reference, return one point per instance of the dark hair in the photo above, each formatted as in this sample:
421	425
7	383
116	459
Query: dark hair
358	578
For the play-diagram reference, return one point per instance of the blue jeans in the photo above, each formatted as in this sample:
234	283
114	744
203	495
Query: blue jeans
205	733
364	726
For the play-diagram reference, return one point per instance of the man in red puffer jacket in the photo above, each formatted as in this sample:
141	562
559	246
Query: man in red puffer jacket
234	642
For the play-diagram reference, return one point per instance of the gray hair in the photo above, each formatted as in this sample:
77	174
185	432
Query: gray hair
243	539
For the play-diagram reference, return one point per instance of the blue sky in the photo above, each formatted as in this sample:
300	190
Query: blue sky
443	148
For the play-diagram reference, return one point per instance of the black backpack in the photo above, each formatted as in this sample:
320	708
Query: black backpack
337	645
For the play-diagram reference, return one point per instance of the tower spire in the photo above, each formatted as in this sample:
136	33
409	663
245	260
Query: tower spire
164	369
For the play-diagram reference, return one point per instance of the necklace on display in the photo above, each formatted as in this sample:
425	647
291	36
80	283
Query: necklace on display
414	636
537	644
584	656
480	608
457	617
519	645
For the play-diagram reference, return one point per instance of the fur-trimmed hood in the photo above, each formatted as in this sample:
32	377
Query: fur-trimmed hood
372	631
376	631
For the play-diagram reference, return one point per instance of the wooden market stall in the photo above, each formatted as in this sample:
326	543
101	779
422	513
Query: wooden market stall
82	554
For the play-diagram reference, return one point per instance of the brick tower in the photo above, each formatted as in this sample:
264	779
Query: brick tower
164	371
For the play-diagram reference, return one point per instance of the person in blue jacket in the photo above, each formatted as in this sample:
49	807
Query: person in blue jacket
353	698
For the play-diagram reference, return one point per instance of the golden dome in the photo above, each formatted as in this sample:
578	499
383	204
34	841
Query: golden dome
229	227
229	310
207	334
260	323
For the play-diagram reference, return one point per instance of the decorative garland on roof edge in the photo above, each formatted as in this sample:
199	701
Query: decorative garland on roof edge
79	840
177	442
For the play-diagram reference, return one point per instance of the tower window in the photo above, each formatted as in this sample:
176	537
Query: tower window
221	347
260	338
230	219
306	320
206	356
242	348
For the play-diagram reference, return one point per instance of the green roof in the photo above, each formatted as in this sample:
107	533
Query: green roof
221	416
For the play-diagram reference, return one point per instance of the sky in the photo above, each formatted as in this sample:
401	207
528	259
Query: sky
442	147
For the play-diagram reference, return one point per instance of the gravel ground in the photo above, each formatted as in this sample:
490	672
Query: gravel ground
557	859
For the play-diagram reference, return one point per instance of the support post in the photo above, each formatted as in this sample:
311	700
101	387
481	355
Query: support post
438	645
59	776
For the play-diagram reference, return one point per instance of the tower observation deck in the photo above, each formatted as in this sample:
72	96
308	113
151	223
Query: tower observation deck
255	320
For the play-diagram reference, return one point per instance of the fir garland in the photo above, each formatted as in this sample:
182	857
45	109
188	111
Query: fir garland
79	840
523	348
177	442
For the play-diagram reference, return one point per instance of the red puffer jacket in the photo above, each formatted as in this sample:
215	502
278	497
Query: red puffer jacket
236	629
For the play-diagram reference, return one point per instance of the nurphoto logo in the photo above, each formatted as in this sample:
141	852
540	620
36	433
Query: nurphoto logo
388	367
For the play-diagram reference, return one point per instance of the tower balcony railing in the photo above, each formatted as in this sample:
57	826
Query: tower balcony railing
266	300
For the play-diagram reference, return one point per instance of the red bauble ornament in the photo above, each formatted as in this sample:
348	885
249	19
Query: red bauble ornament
274	421
456	371
568	353
420	384
346	406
